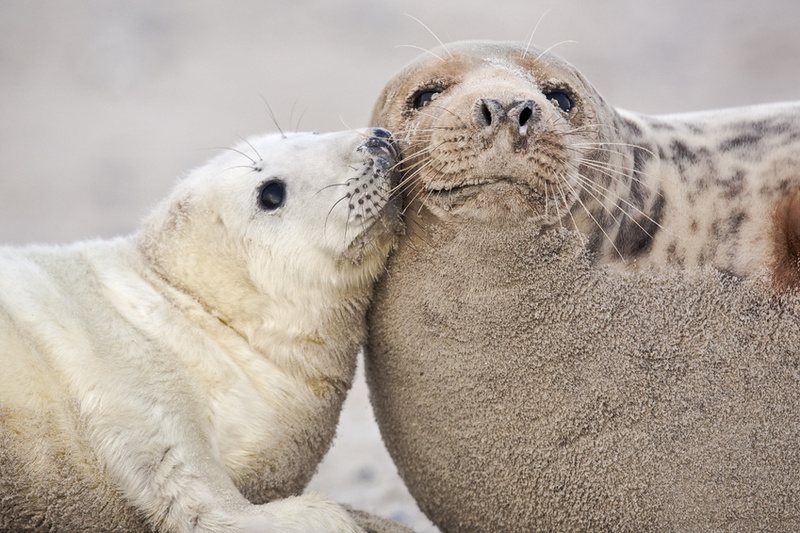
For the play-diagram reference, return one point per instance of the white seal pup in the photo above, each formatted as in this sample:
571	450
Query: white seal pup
485	124
190	377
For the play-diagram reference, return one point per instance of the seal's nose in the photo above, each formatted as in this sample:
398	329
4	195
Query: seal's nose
381	140
490	115
384	152
380	132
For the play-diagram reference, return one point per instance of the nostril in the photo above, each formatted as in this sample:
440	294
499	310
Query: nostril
525	115
487	114
380	132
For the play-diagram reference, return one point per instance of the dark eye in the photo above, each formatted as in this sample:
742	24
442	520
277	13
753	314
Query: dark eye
561	99
424	97
272	195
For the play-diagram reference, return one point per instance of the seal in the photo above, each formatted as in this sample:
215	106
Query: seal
631	371
189	377
486	126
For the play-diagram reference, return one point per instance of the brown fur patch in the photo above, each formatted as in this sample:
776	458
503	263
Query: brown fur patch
786	242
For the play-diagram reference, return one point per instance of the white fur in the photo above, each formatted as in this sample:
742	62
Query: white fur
191	357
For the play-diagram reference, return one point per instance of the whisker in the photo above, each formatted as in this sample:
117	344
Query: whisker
629	157
300	119
577	197
239	166
291	112
237	151
623	171
431	32
568	41
421	49
618	199
594	165
325	225
530	39
272	116
569	211
460	119
558	211
600	143
583	185
422	228
252	147
622	211
335	185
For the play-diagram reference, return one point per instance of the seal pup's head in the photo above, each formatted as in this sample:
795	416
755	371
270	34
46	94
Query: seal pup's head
486	126
290	217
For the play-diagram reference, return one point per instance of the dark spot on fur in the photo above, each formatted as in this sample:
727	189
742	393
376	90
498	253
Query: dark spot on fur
694	226
660	125
723	229
744	140
695	128
736	220
636	194
733	186
635	237
632	127
682	156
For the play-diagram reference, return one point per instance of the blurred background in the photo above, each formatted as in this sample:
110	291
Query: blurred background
104	104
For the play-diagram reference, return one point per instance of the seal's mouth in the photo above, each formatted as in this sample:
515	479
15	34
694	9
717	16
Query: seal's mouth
466	186
477	185
483	192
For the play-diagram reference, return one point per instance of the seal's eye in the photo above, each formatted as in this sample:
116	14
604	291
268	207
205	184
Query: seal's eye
561	99
272	195
424	97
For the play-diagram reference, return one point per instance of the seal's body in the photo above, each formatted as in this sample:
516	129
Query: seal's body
521	387
494	124
173	377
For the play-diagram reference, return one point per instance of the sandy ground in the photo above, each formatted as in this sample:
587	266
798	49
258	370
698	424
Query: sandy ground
104	104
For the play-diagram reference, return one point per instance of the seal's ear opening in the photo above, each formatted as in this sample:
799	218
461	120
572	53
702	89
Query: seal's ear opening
786	242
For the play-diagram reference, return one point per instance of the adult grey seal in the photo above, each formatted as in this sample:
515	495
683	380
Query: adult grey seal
586	333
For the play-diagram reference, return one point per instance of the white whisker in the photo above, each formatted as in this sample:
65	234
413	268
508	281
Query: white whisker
568	41
530	39
431	32
421	49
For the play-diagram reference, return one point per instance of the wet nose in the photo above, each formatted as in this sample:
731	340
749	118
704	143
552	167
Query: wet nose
385	154
491	114
380	132
381	139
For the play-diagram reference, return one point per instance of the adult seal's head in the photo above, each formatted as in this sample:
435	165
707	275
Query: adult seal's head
486	126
